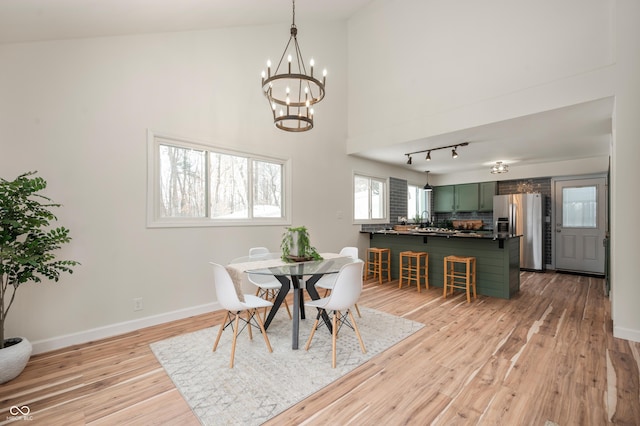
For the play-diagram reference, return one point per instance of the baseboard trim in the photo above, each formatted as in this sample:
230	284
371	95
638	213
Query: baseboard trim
111	330
626	333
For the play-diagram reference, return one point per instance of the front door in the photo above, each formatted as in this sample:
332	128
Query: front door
580	225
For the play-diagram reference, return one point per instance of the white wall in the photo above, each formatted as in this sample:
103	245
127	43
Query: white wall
440	67
77	111
625	232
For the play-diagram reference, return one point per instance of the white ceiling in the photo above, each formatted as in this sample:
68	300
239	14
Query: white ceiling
33	20
575	132
579	131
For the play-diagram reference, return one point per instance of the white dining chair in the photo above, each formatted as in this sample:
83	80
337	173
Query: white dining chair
267	285
345	294
229	300
328	281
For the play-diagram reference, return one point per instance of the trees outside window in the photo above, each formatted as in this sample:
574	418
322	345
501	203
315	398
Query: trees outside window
369	199
194	185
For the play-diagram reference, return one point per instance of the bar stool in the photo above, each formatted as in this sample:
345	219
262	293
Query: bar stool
378	261
416	269
457	278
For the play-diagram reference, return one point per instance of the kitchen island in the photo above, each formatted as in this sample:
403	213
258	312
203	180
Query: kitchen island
497	259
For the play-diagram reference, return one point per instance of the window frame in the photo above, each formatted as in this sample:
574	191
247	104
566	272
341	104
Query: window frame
425	199
154	202
385	208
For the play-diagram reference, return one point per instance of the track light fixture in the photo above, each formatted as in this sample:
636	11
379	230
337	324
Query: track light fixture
454	151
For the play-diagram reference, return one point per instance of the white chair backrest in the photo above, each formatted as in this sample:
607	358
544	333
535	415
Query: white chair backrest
225	290
350	251
347	288
258	251
257	279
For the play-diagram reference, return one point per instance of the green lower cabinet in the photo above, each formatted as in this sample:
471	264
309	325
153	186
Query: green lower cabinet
497	261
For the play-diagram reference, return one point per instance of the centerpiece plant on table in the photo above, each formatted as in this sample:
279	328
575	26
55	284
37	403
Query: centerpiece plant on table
296	245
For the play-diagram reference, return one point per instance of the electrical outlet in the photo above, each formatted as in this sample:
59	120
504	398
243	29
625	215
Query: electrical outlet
137	304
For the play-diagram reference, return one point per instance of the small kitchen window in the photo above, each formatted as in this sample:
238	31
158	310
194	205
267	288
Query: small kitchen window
369	199
417	204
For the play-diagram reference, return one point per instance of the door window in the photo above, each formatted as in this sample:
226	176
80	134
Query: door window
579	207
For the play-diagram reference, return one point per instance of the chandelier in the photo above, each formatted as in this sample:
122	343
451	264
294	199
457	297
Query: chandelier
292	92
499	167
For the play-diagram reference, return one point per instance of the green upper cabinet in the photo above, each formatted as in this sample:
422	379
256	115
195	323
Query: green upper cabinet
466	197
487	191
443	199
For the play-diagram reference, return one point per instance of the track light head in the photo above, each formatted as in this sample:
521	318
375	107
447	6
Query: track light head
409	160
454	153
428	156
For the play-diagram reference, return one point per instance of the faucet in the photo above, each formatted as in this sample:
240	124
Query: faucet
422	216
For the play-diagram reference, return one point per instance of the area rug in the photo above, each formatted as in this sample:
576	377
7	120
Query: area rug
263	384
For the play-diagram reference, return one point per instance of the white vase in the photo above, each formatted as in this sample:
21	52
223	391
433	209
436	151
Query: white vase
293	250
14	358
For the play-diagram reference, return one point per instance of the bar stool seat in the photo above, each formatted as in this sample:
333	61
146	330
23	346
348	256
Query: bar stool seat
416	266
460	278
378	262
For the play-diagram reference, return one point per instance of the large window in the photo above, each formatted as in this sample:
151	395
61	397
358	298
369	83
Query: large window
369	199
417	204
196	185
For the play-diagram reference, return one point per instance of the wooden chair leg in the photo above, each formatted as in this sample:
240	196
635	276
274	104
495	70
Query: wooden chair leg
446	278
235	337
286	305
249	315
334	337
355	328
313	331
358	310
224	322
264	333
468	278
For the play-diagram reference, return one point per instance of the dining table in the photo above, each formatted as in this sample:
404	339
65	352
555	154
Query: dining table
298	276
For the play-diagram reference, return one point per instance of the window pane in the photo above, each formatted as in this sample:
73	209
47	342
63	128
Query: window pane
361	198
377	199
267	189
182	182
414	202
229	186
579	206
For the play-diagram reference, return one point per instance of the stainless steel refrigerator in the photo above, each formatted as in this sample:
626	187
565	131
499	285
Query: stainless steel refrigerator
524	212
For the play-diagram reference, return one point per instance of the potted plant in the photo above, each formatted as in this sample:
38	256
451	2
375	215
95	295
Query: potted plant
296	245
26	246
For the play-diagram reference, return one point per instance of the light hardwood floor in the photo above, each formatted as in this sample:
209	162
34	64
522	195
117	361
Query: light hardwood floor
546	355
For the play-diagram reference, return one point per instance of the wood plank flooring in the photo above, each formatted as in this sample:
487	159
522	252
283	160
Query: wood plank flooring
547	355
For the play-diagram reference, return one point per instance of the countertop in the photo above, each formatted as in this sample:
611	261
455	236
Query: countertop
444	234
